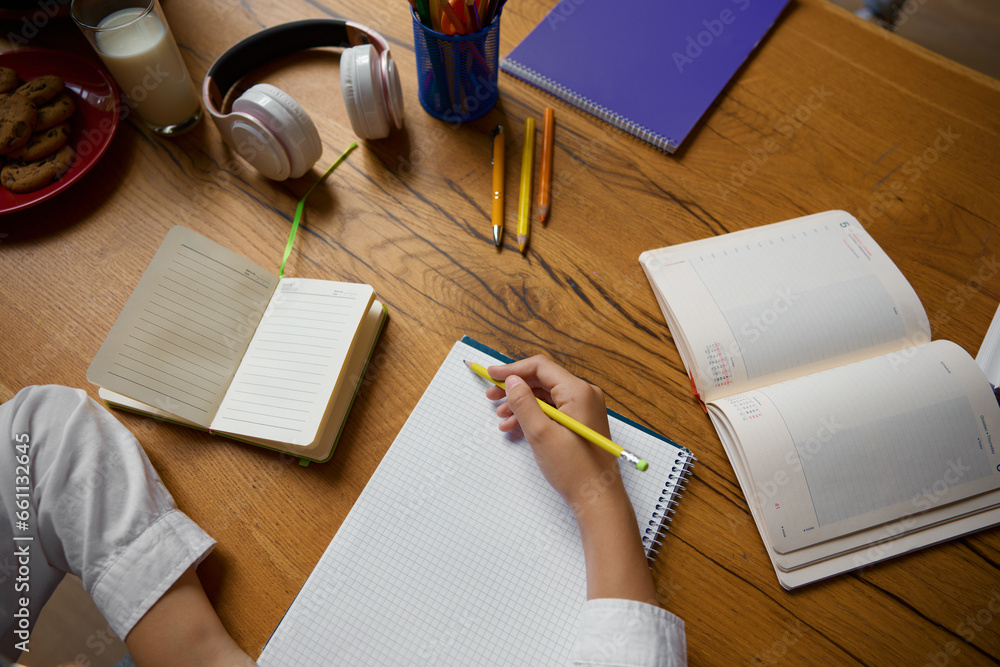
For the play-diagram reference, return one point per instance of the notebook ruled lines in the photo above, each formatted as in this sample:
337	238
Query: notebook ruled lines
292	380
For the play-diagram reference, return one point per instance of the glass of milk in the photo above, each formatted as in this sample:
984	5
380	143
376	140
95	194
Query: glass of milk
135	43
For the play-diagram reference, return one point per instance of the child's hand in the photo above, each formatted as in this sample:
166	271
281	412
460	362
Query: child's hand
580	471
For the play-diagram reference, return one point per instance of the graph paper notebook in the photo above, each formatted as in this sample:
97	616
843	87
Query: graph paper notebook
458	552
854	438
651	68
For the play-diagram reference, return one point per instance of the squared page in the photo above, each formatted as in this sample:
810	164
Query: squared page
762	305
295	360
457	552
180	337
862	445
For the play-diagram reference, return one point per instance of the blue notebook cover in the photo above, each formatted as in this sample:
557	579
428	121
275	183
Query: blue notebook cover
649	67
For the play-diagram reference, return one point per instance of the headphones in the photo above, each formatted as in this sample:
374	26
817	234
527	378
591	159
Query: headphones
268	128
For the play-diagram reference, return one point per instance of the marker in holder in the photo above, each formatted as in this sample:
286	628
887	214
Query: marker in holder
457	74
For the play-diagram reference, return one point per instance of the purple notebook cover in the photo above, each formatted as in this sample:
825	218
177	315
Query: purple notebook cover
649	67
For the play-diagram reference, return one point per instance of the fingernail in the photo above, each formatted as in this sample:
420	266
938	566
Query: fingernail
512	381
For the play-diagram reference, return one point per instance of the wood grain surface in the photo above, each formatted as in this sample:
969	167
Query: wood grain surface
829	113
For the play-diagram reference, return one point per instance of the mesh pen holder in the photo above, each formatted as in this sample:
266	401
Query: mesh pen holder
457	74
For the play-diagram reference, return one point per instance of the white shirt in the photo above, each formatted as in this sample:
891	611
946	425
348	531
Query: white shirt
627	633
77	494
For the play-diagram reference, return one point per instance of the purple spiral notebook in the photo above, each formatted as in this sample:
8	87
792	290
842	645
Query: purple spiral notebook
649	67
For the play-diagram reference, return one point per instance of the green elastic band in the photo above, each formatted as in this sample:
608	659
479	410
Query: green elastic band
302	204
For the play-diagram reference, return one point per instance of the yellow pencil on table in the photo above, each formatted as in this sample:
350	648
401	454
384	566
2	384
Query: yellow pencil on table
581	430
524	205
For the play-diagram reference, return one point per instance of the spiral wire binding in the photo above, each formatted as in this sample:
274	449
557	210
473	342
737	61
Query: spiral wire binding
662	142
666	505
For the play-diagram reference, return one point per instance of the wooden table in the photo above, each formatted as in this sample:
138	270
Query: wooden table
829	113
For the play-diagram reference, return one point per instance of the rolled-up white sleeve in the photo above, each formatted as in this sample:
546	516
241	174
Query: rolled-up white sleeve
80	496
627	633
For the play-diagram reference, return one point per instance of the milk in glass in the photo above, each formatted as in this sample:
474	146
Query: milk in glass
144	59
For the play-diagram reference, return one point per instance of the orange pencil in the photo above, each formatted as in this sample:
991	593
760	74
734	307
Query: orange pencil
545	181
453	25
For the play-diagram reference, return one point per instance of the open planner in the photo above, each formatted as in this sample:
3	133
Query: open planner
211	340
854	438
458	552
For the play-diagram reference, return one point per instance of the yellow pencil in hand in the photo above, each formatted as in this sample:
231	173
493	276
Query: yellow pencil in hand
581	430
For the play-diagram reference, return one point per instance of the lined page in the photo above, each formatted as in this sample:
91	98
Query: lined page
180	337
766	304
457	552
283	386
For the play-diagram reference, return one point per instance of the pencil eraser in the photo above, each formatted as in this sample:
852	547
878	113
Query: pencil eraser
642	465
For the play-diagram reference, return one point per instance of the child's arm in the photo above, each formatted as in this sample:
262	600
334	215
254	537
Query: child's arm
181	628
585	475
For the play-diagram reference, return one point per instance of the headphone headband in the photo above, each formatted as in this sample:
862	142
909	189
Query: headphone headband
281	40
267	127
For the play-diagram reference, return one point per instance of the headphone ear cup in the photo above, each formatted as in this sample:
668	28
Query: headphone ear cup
287	121
361	85
395	100
255	143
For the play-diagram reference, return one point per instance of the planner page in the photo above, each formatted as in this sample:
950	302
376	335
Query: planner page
458	552
865	547
295	361
868	443
762	305
180	337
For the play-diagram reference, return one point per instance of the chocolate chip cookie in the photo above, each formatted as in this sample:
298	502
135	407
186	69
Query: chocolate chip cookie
22	177
8	80
55	112
41	90
42	143
17	121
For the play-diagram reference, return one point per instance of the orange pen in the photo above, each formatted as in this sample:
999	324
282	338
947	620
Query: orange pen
497	147
545	180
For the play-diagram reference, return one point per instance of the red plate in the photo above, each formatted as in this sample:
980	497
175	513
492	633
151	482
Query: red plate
92	126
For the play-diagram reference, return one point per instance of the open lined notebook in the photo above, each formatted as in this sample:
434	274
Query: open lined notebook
458	552
211	340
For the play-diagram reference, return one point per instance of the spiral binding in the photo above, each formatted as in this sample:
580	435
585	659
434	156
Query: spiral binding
549	85
666	504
